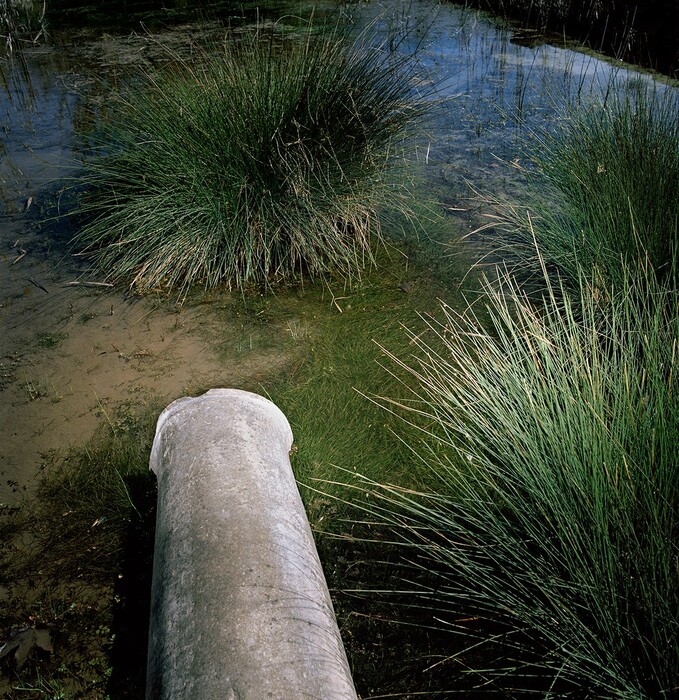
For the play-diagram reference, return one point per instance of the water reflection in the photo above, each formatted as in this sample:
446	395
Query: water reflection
38	103
494	88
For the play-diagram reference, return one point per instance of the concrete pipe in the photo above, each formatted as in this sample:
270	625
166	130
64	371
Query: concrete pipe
240	609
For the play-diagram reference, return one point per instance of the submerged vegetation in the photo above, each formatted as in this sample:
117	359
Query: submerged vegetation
265	160
94	526
75	566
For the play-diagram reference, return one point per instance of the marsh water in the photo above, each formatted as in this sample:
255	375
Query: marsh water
71	347
77	355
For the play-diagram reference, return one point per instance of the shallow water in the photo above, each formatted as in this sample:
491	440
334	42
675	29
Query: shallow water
495	89
68	350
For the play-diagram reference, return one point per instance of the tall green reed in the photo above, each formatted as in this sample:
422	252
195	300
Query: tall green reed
553	532
265	161
605	196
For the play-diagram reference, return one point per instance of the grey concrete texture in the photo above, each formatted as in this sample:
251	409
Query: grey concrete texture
240	609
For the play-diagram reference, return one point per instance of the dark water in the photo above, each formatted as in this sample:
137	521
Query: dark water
633	31
130	14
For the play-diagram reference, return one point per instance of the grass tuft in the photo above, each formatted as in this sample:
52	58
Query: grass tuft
605	198
264	159
552	430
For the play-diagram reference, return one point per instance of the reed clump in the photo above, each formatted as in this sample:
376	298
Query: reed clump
552	429
549	415
264	160
604	195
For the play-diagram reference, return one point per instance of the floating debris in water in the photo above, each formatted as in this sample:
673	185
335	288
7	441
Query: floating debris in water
38	285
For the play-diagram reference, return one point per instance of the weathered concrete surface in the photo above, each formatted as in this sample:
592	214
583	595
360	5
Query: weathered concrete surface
240	609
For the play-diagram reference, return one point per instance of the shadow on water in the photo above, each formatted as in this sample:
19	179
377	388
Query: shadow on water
636	32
